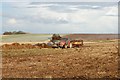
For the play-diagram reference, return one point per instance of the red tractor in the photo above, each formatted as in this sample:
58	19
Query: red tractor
58	41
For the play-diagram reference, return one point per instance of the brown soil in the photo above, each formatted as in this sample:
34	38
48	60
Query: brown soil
23	46
93	60
92	36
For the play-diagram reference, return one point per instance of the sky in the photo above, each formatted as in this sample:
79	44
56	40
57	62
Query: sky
59	17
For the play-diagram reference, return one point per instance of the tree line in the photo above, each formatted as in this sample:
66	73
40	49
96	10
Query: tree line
14	32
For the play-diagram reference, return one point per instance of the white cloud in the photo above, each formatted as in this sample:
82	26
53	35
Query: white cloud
60	0
12	21
16	0
45	13
81	20
113	11
95	6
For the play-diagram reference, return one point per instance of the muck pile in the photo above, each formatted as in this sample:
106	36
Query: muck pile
24	46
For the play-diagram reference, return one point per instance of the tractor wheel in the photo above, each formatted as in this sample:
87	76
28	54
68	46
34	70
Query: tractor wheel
70	45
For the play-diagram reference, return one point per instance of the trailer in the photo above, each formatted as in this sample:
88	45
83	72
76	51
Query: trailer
66	43
76	43
57	41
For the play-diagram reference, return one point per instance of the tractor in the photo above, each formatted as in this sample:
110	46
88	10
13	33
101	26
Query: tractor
57	41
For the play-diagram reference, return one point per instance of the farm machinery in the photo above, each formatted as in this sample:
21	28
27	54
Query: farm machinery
57	41
67	43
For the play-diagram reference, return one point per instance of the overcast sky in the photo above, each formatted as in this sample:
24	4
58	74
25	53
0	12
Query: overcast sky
59	17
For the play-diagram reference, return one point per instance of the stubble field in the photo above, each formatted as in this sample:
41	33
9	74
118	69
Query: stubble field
93	60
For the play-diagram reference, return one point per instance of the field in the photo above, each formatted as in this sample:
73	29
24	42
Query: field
25	38
96	59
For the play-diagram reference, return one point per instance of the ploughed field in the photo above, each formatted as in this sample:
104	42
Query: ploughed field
93	60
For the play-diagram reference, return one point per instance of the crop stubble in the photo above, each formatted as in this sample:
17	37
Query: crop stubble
93	60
